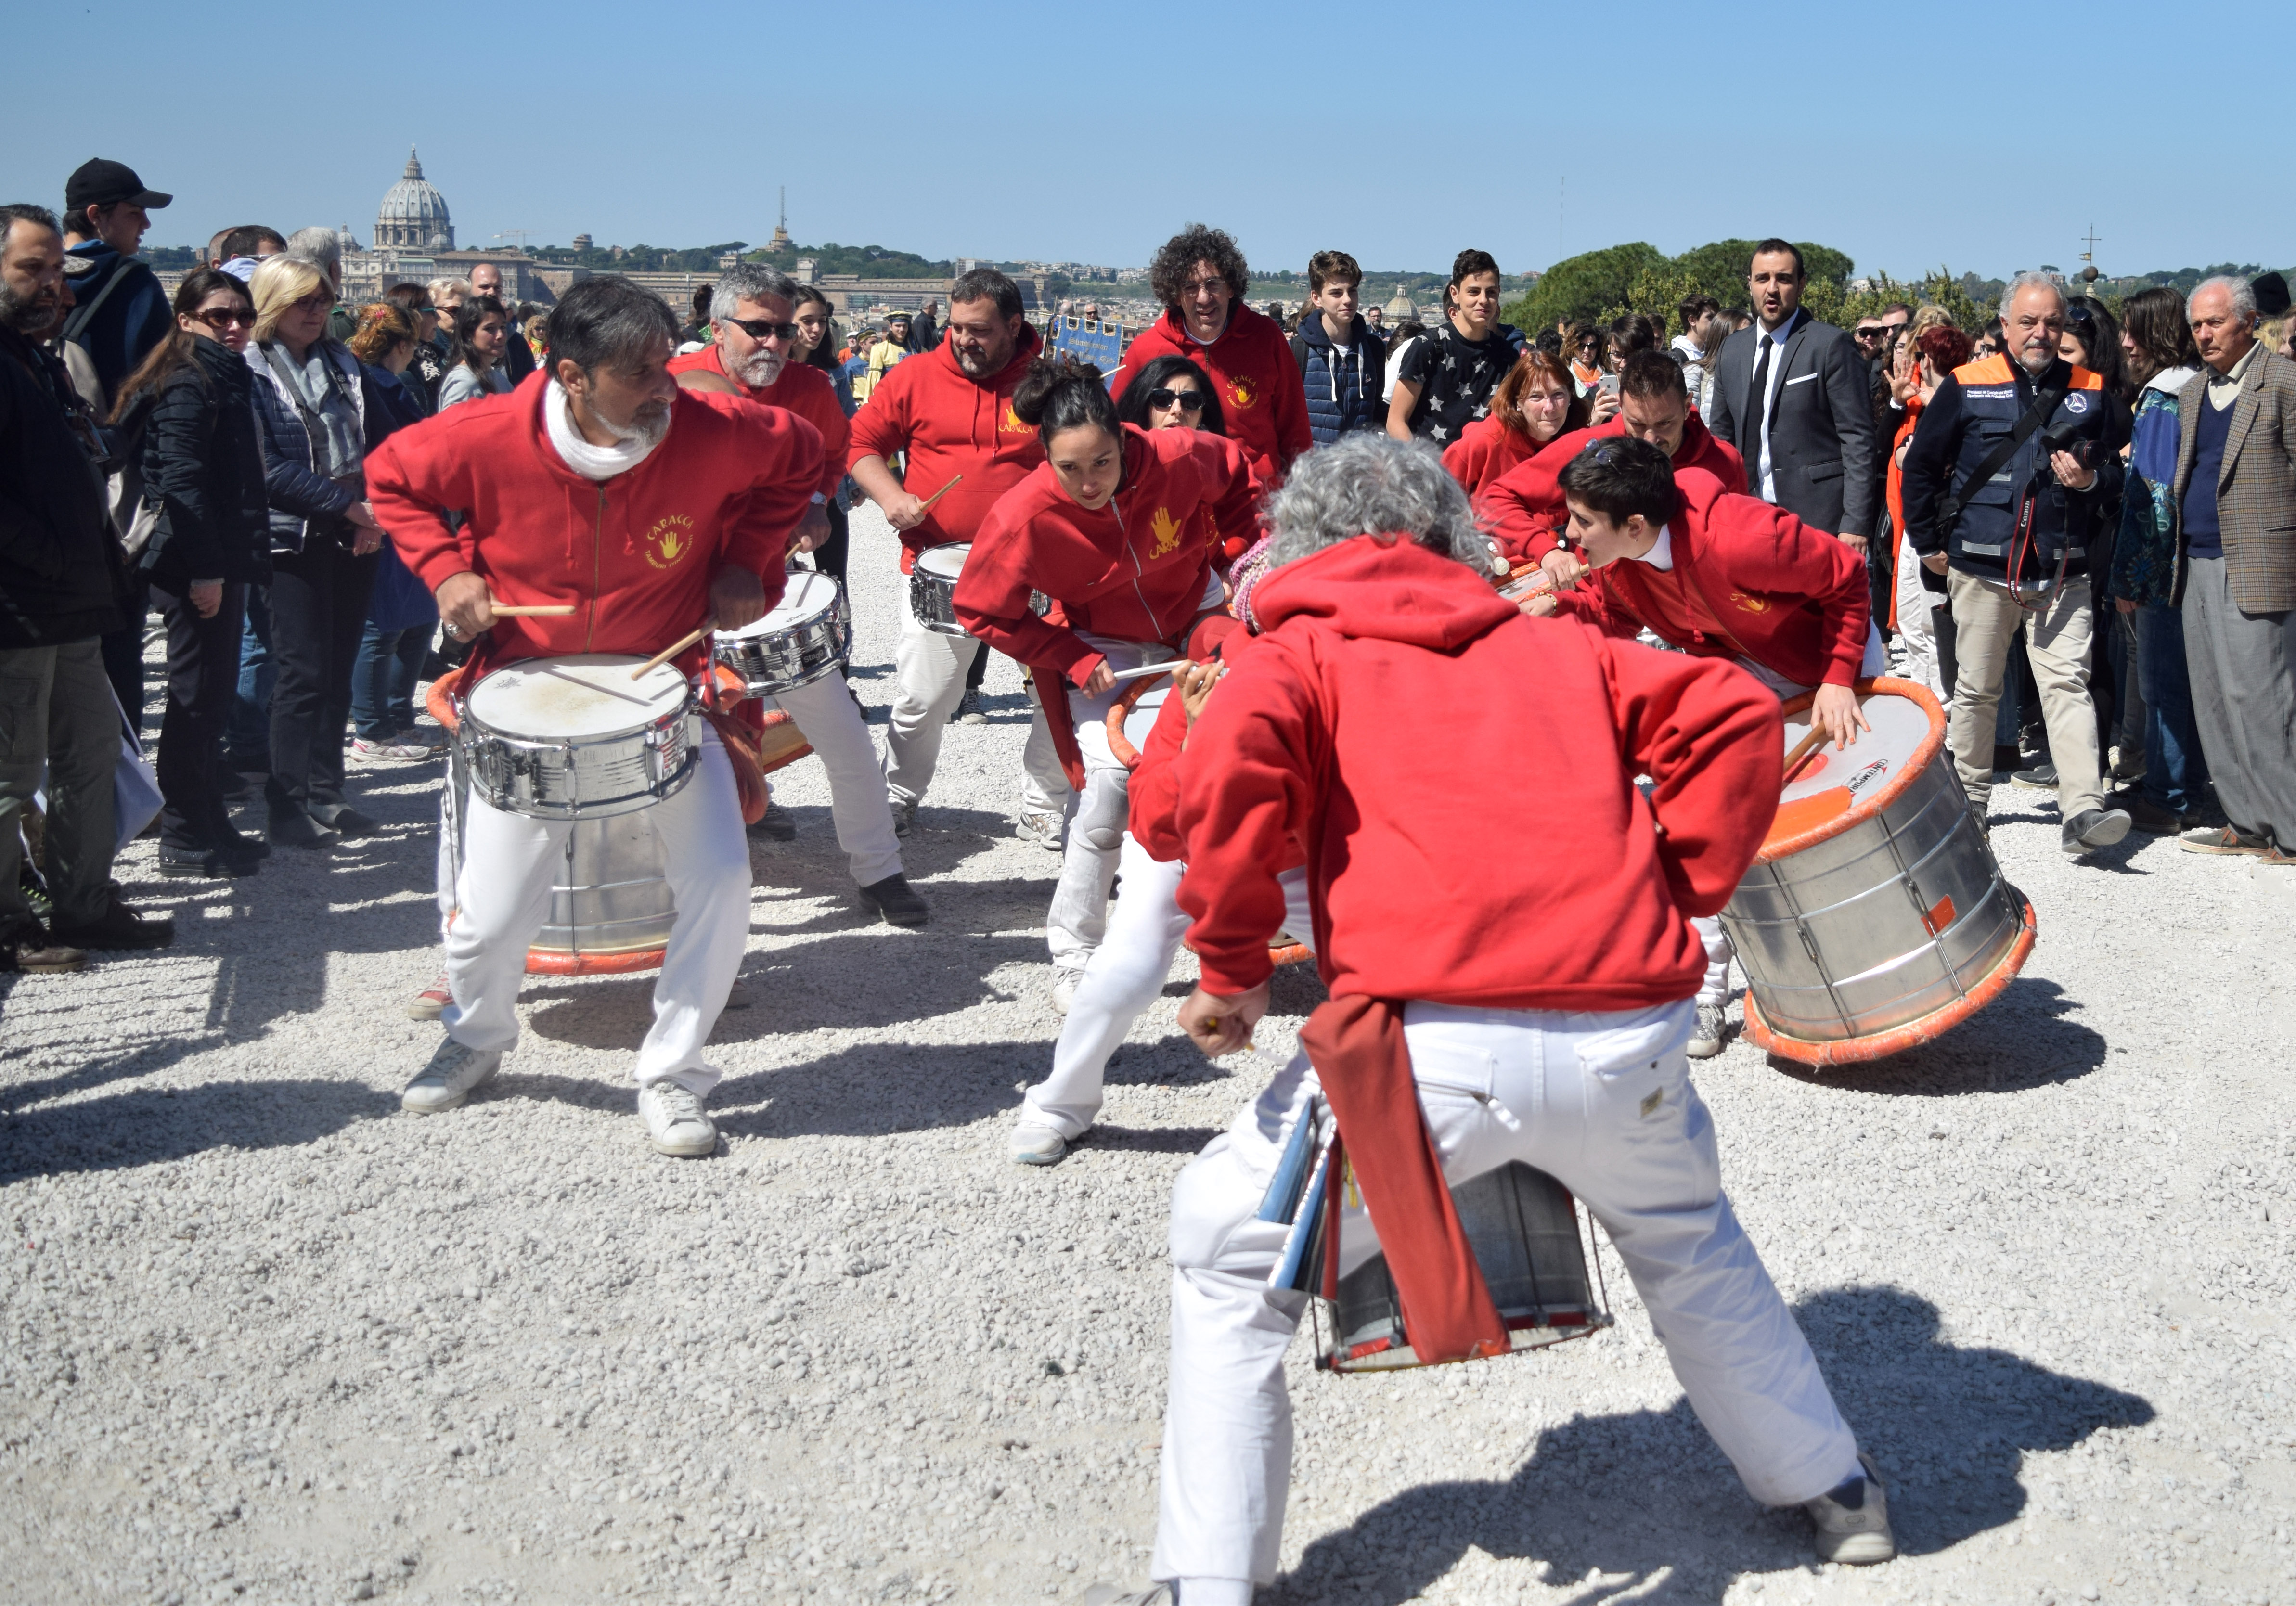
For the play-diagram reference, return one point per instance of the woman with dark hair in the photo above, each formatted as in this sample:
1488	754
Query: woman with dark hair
816	346
1446	381
1534	404
1171	392
193	399
481	335
2144	581
402	616
2092	340
1918	611
1107	527
426	368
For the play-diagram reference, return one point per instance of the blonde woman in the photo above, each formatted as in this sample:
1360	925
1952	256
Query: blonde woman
310	412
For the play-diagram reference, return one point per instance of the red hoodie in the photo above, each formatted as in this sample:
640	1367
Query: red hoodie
803	389
1526	503
1749	580
1136	569
1486	449
635	553
949	424
1400	716
1154	793
1261	394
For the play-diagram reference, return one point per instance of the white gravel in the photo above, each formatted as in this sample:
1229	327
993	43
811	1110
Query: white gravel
269	1340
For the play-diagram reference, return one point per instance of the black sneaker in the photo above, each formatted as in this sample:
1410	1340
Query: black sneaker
292	828
894	898
231	840
343	819
2147	816
119	927
2092	828
776	824
2041	777
211	864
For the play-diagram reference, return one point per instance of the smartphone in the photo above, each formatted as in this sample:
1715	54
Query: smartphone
1608	383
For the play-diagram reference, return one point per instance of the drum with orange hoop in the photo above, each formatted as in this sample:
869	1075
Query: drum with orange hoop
1875	917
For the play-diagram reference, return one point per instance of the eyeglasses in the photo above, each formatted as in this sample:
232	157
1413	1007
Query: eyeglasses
1870	333
762	328
220	317
319	300
1191	401
1203	287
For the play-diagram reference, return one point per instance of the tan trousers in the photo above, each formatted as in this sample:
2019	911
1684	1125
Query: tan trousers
2057	643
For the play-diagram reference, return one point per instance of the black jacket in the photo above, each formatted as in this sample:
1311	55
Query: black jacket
203	467
60	576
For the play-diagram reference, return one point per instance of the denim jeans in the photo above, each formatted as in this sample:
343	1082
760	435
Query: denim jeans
382	680
2175	770
247	727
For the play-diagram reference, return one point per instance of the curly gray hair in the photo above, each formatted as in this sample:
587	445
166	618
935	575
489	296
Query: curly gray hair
1373	485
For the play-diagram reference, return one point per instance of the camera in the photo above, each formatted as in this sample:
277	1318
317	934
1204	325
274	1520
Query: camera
2063	436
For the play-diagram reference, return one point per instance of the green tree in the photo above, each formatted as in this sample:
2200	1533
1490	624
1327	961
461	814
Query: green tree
1598	284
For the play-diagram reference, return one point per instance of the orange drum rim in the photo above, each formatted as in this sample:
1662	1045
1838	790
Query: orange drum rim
1923	755
557	961
1118	743
1913	1034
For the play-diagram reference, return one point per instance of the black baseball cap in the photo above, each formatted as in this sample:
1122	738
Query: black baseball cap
100	182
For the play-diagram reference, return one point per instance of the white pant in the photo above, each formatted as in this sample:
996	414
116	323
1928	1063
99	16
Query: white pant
928	671
502	896
1127	972
1716	987
1568	1095
824	711
1079	911
1917	620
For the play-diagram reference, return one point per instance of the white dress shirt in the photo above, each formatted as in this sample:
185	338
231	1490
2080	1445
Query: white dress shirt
1777	338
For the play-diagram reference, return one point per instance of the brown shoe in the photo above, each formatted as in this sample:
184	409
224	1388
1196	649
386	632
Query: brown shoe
2224	839
39	956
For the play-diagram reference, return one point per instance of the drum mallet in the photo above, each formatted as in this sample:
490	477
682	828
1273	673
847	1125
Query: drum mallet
529	610
938	494
674	649
1801	751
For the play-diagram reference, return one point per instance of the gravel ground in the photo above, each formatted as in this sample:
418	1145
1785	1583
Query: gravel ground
269	1340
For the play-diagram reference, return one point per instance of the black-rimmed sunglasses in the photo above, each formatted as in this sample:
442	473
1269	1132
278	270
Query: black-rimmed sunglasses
1191	400
761	329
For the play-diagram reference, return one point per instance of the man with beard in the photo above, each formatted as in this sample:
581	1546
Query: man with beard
752	313
651	510
951	410
60	585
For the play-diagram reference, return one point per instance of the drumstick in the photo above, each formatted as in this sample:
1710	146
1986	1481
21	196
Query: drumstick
1146	670
674	649
520	611
1802	750
938	494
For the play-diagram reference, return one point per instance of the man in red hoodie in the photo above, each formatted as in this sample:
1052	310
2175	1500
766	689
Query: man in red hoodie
1525	504
1201	277
1722	575
752	311
951	410
1542	999
650	510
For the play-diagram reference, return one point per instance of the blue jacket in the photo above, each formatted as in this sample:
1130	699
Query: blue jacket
398	602
1344	394
300	492
2145	566
134	318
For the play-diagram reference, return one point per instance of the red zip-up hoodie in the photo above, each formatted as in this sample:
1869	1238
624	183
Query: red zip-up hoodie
635	553
803	389
1136	569
1486	449
1465	779
1749	580
1261	394
1526	506
949	424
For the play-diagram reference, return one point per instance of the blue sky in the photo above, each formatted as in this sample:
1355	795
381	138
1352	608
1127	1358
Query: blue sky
1984	137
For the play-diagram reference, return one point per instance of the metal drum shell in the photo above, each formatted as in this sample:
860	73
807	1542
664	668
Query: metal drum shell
610	908
933	597
788	658
567	778
1875	932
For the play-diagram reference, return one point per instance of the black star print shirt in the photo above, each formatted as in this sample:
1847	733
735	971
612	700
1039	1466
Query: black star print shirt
1456	377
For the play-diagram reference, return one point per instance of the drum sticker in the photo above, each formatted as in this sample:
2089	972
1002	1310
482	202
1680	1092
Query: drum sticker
670	539
1865	777
1166	528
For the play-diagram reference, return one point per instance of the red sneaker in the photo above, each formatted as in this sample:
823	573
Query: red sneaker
427	1004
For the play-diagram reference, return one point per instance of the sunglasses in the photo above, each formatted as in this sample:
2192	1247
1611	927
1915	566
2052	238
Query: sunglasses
219	317
1191	401
761	329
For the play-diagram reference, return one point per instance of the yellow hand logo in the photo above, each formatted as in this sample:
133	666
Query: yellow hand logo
1166	530
670	540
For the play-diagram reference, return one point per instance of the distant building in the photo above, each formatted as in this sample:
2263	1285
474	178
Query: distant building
413	216
1398	309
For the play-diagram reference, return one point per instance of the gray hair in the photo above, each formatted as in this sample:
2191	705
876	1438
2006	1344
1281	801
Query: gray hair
2031	281
750	282
1377	486
461	289
607	319
2243	294
321	248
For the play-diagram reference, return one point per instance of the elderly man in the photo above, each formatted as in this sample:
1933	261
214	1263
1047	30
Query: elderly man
2007	480
518	361
1483	1012
2236	491
751	312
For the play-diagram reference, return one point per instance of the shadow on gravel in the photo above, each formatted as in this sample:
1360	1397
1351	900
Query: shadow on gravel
1646	1501
2021	1041
874	1089
147	1125
1147	1140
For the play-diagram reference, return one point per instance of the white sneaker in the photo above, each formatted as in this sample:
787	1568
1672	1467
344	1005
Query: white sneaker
1043	830
1706	1037
675	1122
1065	982
1853	1521
448	1080
1035	1145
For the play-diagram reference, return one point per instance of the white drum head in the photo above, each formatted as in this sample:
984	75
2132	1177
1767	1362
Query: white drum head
1878	756
1142	719
806	597
944	563
591	695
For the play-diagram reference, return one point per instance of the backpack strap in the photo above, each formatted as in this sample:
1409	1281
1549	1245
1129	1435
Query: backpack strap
1949	505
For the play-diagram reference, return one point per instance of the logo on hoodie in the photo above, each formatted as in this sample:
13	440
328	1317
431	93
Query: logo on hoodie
1242	392
670	540
1166	529
1011	425
1750	604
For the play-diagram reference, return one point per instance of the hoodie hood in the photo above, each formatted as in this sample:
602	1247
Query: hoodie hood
1311	331
1384	588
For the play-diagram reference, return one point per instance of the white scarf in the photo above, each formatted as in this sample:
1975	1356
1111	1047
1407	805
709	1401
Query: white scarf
592	462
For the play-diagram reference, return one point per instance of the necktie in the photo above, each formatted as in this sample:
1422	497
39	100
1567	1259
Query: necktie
1757	405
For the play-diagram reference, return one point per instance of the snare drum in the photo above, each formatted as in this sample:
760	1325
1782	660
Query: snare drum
1875	916
932	587
808	634
569	738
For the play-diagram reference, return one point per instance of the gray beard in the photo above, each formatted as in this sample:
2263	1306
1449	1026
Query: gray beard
758	370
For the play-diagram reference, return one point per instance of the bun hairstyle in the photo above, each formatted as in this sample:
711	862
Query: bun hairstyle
1062	393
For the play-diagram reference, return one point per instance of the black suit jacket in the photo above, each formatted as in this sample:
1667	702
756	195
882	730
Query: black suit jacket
1822	451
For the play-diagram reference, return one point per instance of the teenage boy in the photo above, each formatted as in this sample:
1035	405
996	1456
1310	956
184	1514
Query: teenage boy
1446	379
1342	361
